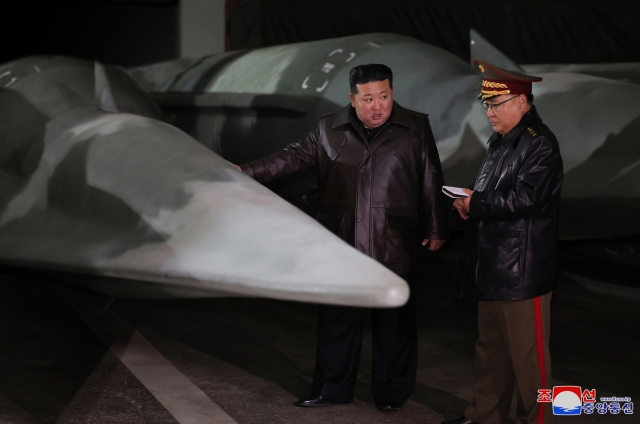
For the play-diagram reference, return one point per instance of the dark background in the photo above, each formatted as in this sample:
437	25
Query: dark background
136	32
126	33
540	31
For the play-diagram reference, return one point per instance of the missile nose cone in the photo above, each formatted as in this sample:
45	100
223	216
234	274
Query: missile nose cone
235	236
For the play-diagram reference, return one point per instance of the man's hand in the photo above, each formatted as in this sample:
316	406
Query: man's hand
463	204
433	244
236	166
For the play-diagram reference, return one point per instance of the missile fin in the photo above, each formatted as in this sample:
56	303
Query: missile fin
483	49
104	96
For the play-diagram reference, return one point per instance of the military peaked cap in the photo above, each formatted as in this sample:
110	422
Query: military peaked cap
497	81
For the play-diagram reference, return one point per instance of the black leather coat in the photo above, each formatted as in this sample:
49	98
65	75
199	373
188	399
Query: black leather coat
383	198
510	238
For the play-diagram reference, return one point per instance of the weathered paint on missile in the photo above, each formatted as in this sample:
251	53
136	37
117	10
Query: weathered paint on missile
135	207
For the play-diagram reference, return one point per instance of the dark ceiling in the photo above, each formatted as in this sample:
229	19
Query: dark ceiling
136	32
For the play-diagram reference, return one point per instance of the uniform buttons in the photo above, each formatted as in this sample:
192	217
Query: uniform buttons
359	220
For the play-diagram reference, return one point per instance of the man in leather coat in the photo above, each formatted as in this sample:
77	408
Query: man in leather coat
509	254
380	184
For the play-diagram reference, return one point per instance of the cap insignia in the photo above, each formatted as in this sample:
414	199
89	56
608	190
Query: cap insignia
492	84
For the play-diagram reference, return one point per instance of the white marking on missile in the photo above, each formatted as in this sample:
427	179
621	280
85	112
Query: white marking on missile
319	89
177	394
335	51
6	73
351	56
374	44
36	68
11	82
304	83
328	67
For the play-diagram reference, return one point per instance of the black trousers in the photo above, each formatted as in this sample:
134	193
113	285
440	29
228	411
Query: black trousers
395	352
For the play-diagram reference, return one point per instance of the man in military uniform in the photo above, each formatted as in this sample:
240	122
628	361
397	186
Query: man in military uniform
509	254
380	184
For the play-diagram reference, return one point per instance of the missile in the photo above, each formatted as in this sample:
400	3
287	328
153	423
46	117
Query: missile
248	104
95	186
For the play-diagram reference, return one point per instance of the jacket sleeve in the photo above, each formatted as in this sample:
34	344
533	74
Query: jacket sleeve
295	157
435	204
536	182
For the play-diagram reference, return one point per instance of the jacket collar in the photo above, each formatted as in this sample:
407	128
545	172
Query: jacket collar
528	119
347	115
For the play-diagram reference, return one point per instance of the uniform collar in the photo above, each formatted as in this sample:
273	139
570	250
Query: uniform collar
347	115
528	119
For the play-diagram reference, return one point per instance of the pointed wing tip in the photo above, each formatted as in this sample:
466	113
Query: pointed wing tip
395	297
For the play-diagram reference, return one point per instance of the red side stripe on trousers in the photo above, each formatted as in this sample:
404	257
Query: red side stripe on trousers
537	312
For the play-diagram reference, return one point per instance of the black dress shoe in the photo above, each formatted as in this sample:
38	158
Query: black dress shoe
461	420
389	406
318	401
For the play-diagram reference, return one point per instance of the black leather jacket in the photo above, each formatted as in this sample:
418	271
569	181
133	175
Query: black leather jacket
381	197
510	238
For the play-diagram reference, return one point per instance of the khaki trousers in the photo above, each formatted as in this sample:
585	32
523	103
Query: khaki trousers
512	352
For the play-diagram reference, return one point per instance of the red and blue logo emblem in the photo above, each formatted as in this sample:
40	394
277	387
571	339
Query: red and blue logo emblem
572	400
567	400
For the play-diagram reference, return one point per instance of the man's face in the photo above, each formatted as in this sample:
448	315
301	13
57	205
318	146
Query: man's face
373	103
506	116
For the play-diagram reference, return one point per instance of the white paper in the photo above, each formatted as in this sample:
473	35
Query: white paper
455	192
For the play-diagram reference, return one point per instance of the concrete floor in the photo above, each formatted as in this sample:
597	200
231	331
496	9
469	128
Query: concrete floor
254	357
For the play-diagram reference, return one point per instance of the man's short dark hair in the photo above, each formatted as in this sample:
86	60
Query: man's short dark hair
371	72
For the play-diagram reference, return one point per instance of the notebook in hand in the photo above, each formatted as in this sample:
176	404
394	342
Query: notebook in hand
455	192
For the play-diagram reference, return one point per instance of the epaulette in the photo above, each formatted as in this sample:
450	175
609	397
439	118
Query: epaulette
531	131
528	135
